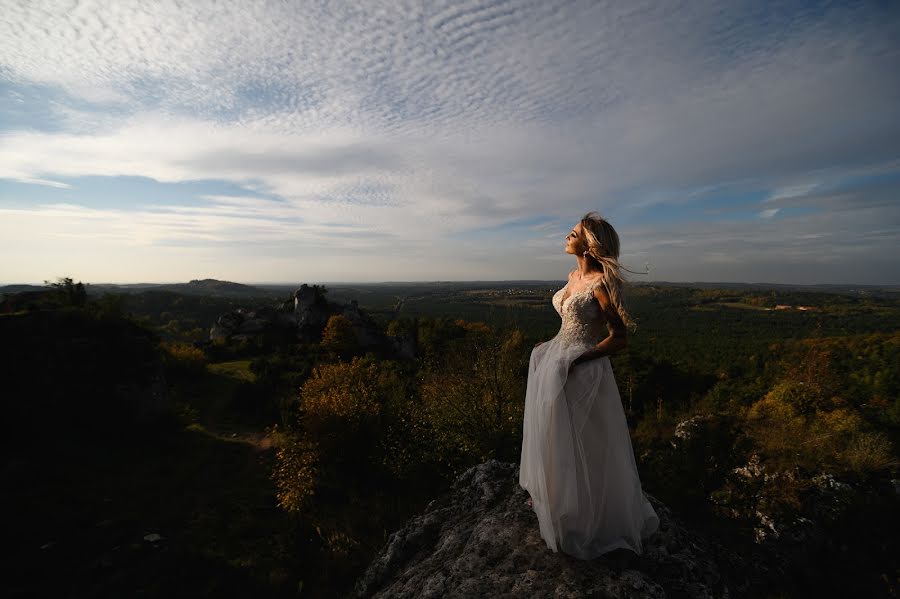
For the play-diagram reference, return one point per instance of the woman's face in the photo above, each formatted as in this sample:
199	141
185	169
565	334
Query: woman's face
575	241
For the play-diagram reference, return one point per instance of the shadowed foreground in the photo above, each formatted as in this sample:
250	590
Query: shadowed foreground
481	540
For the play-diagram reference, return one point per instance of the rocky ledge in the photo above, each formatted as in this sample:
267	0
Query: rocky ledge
482	540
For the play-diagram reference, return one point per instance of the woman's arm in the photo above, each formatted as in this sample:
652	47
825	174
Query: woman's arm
617	340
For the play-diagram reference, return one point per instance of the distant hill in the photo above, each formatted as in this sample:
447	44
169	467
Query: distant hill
20	288
216	287
203	287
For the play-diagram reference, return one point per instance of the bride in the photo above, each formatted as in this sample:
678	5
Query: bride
577	460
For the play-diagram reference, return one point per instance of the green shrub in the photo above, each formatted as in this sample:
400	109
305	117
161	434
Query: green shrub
183	359
295	472
473	399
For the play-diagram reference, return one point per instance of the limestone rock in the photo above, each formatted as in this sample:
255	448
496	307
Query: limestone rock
310	312
367	333
303	318
687	429
482	540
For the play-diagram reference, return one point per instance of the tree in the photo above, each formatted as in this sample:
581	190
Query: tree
338	336
69	293
354	433
473	400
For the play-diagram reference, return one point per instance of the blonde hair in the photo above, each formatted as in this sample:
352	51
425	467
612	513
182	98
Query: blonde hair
603	248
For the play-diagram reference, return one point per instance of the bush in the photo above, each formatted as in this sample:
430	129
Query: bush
344	399
349	410
338	336
732	396
871	451
694	461
295	472
183	359
794	426
473	401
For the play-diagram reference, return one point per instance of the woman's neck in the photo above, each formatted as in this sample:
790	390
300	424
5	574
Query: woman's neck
586	269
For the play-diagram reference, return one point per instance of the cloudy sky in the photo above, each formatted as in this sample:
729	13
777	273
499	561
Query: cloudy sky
364	141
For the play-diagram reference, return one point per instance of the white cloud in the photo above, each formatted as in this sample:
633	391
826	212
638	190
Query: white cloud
792	191
413	123
47	182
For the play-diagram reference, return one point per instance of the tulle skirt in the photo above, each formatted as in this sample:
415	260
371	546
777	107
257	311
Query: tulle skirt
577	460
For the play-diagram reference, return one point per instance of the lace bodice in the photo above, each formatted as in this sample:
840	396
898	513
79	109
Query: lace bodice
583	322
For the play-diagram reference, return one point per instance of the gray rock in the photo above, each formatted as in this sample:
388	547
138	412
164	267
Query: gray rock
253	326
367	333
686	429
310	312
304	317
219	332
482	540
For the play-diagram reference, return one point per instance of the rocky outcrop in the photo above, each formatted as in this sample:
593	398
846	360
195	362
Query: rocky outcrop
311	312
686	430
244	324
303	317
367	334
482	540
847	520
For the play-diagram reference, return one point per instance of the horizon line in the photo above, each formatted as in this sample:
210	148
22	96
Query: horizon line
394	282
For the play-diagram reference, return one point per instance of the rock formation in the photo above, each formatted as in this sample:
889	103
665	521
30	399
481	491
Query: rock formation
304	318
311	312
367	335
482	540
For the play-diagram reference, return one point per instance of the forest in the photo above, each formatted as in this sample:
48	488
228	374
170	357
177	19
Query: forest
145	456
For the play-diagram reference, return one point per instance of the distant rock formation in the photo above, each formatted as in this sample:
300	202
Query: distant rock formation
311	312
367	334
303	318
245	324
482	540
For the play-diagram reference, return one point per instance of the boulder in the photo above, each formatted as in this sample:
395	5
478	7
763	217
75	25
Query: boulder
482	540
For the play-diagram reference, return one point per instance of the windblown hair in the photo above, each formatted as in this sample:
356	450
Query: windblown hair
603	248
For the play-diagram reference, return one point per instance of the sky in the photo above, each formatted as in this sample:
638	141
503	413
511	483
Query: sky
292	142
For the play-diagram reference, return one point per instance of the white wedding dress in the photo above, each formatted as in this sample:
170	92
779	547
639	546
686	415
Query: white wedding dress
577	460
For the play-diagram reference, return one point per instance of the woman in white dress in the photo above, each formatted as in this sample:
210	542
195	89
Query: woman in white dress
577	460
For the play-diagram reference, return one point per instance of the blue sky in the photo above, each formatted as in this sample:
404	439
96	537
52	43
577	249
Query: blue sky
321	142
